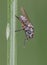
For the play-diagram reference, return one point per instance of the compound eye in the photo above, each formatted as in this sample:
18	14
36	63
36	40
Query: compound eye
29	32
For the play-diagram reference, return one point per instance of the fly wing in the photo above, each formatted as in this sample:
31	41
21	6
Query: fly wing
24	14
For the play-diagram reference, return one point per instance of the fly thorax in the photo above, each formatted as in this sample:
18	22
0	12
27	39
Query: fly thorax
23	19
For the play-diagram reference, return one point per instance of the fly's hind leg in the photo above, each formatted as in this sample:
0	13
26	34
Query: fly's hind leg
17	17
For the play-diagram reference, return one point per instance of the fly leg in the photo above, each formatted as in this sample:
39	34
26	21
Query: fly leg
17	17
26	38
18	30
25	42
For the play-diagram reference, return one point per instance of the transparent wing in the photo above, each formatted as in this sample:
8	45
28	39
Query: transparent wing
25	14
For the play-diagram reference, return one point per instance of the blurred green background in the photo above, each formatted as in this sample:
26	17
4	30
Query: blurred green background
3	41
35	52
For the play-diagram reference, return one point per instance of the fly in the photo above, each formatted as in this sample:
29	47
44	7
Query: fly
26	25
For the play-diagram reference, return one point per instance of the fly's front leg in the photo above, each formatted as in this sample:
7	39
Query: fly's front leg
25	41
26	38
